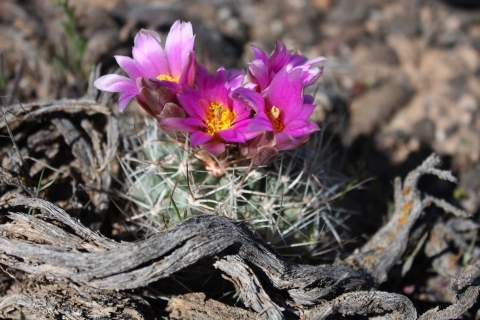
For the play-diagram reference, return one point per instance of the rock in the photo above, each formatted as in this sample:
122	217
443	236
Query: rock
374	53
424	130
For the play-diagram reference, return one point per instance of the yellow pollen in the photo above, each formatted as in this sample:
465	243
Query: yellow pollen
274	116
167	78
218	118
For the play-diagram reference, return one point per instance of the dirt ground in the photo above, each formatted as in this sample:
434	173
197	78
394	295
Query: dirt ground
401	80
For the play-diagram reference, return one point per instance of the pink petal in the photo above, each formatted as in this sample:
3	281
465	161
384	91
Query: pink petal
129	66
231	135
279	57
299	128
315	60
202	76
189	70
234	79
149	43
312	127
295	61
260	122
125	99
259	54
306	111
145	64
195	122
296	127
284	141
115	83
258	73
311	76
242	111
199	137
214	148
194	103
144	38
175	124
251	135
178	45
242	127
300	61
252	86
250	98
291	110
285	88
216	89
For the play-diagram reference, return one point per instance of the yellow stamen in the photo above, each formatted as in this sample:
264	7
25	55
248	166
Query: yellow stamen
218	118
167	78
274	116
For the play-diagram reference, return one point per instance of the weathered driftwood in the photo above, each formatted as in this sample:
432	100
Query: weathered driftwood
386	247
47	300
37	130
56	247
19	113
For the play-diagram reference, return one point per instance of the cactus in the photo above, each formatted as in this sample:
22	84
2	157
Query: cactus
287	203
225	141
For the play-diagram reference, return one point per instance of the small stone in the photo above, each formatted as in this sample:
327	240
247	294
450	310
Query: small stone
371	109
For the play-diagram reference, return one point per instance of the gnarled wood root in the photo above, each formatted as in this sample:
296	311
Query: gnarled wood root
57	248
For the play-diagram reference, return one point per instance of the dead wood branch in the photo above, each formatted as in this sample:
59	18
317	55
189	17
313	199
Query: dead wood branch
10	178
386	247
57	247
366	302
18	113
134	265
57	214
92	142
246	282
43	300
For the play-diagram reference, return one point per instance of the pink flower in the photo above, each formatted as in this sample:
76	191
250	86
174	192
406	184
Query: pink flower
218	118
282	109
171	66
261	70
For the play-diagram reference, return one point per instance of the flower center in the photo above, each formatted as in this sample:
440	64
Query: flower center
218	118
167	78
274	116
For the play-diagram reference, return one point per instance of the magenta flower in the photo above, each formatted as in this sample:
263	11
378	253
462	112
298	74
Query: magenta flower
282	109
261	70
218	118
171	66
